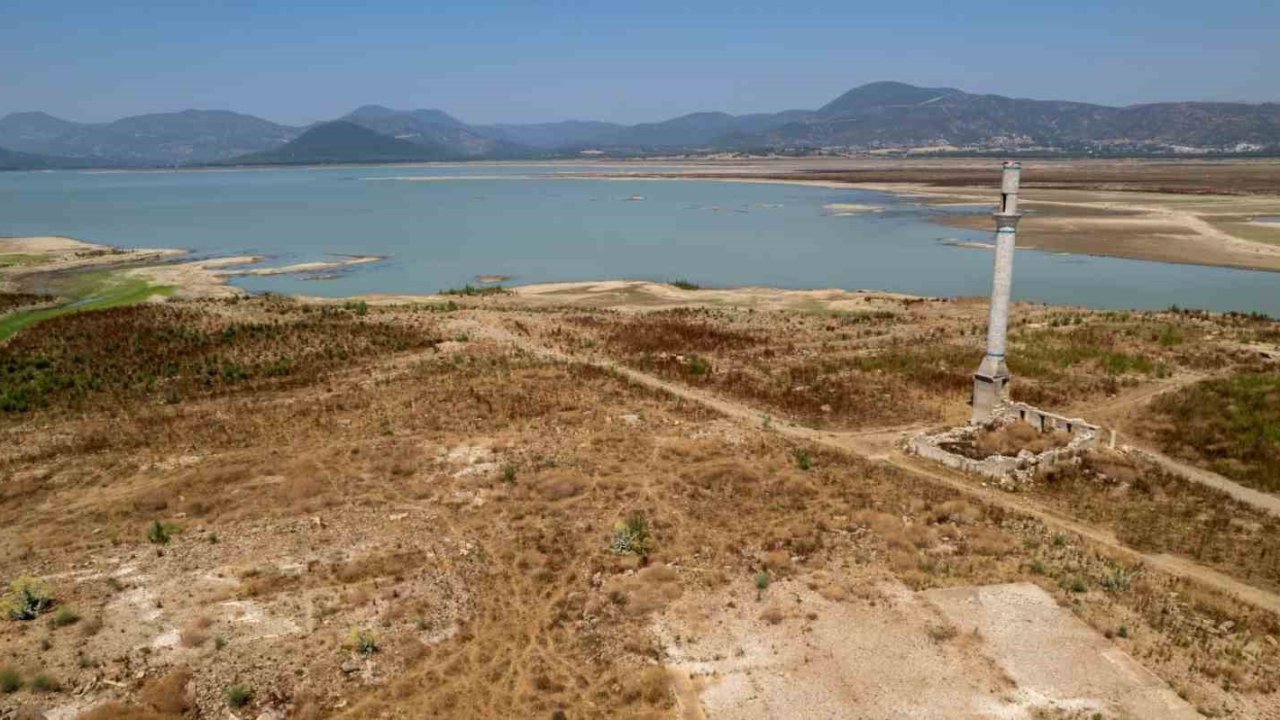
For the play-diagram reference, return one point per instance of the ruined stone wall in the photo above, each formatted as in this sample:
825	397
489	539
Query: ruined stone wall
1011	470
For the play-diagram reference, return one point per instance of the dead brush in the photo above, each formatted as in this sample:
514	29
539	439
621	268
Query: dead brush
196	632
1015	437
1153	510
151	350
677	332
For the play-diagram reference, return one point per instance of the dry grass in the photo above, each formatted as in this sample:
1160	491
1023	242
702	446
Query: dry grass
373	497
1156	511
1230	426
913	363
1015	437
161	353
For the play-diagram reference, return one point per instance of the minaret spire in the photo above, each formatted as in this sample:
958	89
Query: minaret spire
991	381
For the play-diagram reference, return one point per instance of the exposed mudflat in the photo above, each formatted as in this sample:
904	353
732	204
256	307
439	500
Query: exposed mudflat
1193	212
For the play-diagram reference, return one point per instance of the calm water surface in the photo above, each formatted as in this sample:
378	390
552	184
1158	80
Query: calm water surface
495	220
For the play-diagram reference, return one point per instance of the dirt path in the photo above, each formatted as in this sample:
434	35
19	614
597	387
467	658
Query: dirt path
1117	411
1258	499
880	446
1117	408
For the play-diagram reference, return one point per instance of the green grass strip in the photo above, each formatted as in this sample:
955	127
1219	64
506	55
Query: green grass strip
99	290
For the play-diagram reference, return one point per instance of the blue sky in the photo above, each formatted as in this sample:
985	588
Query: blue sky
633	61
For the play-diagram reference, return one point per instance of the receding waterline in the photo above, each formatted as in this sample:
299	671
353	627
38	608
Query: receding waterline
557	224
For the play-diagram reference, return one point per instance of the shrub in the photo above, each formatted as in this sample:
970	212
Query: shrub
469	290
239	696
762	583
698	366
160	533
64	617
631	536
685	285
364	641
27	599
803	460
1117	581
44	683
10	681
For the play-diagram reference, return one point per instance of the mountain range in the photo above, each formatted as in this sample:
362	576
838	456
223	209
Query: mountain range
880	115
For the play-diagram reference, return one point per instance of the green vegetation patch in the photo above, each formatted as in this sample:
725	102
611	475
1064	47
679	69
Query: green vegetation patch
1049	353
100	290
8	260
469	290
1229	425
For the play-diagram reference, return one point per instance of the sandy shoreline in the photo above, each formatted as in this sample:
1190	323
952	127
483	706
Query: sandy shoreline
205	278
1157	227
1139	226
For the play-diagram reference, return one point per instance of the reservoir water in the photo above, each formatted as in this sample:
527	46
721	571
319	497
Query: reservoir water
470	220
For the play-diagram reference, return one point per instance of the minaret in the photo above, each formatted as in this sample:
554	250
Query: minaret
991	382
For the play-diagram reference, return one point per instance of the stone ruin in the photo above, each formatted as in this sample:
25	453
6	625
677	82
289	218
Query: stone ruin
949	446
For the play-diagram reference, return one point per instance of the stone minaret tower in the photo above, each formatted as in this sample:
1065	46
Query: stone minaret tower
991	381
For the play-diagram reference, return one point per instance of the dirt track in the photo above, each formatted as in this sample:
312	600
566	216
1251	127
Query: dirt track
879	447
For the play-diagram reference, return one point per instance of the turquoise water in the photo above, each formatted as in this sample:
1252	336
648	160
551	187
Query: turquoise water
495	220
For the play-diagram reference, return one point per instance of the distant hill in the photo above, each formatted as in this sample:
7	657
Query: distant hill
345	142
11	160
433	128
190	136
889	114
879	115
556	135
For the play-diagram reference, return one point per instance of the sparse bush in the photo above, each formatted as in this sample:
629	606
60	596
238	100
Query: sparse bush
698	365
45	684
803	460
1118	581
470	290
1122	631
27	599
509	473
64	617
684	285
631	536
160	533
942	632
239	696
219	642
762	583
363	641
10	681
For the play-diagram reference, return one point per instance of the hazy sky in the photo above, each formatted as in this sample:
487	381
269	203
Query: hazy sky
630	61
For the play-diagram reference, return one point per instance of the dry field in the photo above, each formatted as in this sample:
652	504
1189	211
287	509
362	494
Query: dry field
558	506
